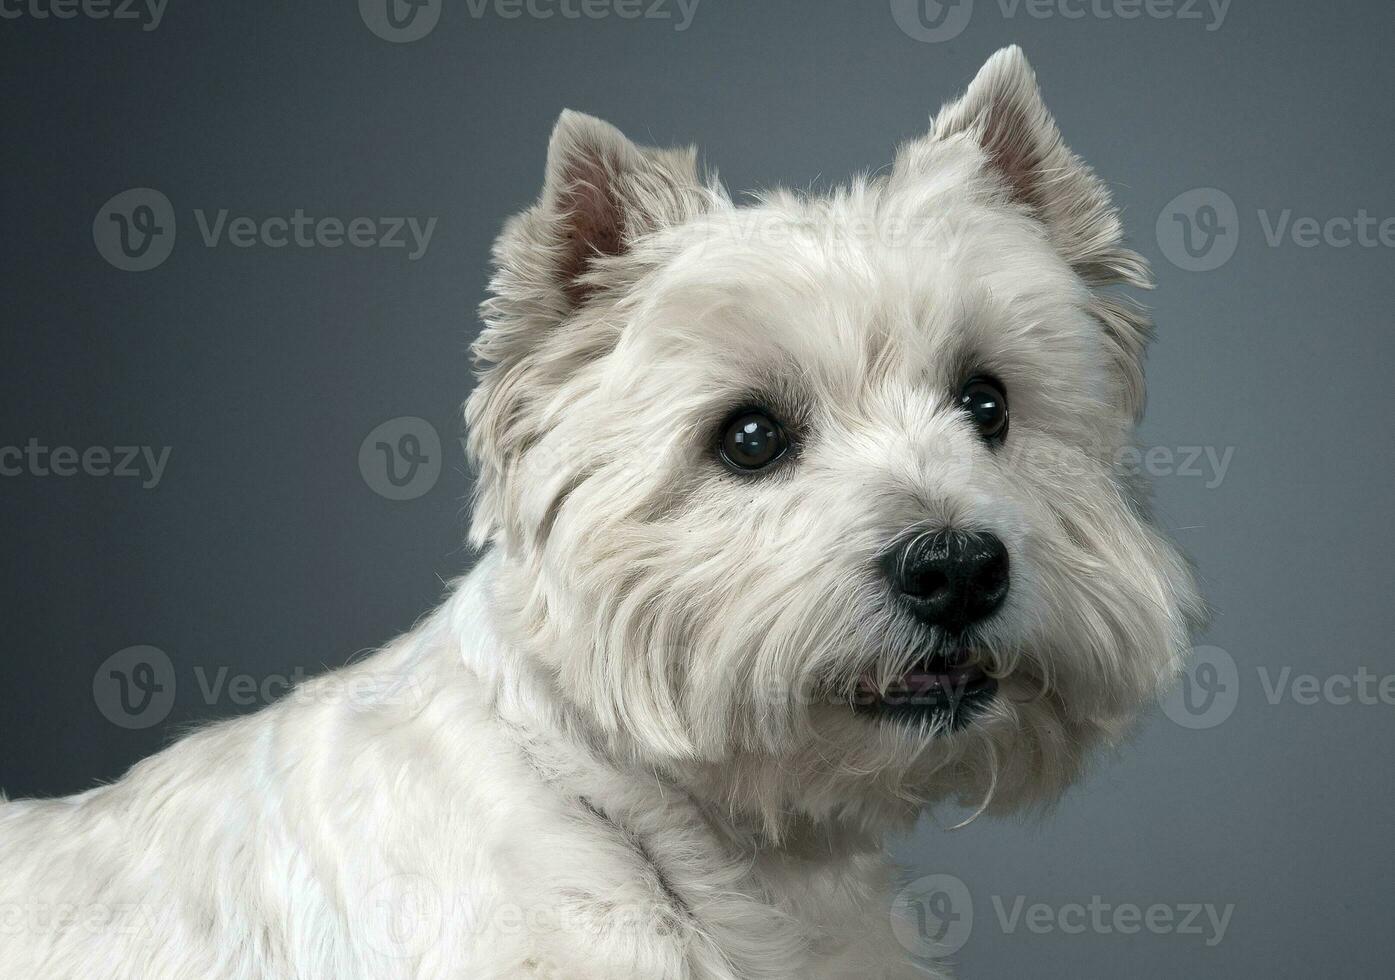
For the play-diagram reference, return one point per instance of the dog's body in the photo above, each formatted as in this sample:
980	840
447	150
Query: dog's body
768	573
425	813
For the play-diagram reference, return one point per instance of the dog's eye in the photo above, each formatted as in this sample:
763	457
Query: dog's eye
985	401
752	440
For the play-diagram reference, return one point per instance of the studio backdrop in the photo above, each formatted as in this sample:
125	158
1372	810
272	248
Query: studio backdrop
243	246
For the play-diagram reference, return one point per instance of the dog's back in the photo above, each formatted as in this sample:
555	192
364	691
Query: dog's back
267	846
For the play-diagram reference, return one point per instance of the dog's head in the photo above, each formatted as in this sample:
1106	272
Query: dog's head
814	500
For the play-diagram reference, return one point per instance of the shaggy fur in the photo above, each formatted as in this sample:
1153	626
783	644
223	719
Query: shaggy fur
623	747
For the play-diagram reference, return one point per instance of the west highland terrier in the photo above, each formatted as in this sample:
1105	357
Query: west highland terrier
799	517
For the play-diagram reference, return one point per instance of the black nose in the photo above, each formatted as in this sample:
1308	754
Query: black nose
950	579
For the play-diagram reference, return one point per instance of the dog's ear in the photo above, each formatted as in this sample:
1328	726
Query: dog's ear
1004	114
602	194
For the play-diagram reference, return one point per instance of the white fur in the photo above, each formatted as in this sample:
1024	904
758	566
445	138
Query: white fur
618	749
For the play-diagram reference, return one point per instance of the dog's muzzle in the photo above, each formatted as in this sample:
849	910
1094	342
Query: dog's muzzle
949	580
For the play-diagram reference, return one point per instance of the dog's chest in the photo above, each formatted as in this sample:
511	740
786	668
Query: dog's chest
692	905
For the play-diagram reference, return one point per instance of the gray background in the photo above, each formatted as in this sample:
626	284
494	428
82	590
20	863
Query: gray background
265	550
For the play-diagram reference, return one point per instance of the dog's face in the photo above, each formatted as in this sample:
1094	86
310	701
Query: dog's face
814	499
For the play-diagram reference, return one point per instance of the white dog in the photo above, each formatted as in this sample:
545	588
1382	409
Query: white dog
799	517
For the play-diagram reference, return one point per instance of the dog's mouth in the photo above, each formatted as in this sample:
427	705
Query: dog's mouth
945	690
